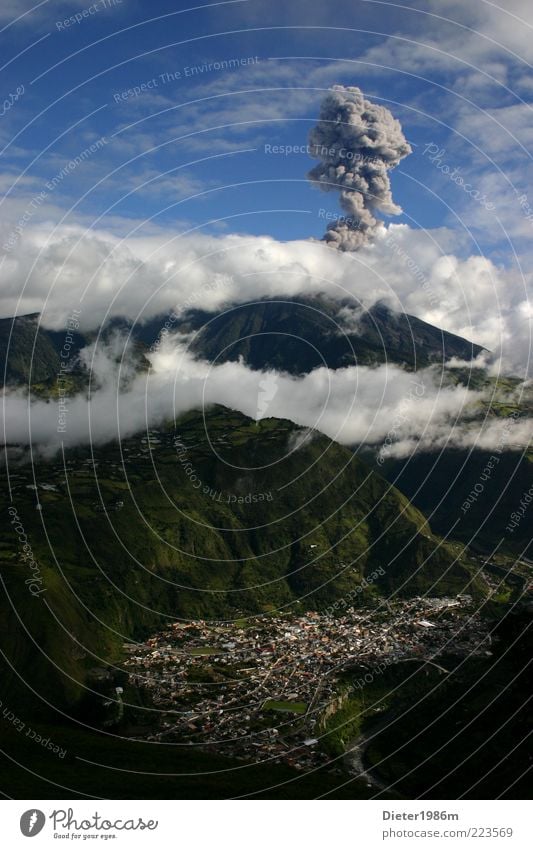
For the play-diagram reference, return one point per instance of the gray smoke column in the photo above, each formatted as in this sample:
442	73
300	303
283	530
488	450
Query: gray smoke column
357	143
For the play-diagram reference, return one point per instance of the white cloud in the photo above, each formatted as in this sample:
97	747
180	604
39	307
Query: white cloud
386	407
142	277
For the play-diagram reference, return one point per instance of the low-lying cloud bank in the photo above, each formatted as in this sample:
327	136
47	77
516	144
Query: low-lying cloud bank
386	407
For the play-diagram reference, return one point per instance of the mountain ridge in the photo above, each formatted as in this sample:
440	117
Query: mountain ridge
294	335
175	549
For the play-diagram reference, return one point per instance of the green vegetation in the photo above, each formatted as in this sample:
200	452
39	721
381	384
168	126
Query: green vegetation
285	707
472	494
465	734
267	334
203	650
122	551
115	767
468	497
27	354
343	725
425	732
125	547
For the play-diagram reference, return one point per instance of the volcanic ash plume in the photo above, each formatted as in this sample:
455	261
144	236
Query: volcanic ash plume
357	142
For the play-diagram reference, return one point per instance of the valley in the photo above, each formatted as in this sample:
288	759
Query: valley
231	592
262	688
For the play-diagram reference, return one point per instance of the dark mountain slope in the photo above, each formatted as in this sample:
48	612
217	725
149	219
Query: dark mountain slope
19	363
31	355
473	495
300	334
294	335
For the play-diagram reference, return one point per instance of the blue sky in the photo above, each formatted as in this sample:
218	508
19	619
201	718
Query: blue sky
189	150
143	171
132	131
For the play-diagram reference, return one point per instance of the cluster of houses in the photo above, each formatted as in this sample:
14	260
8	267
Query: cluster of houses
259	688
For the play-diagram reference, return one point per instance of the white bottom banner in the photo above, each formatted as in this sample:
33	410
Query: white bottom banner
267	824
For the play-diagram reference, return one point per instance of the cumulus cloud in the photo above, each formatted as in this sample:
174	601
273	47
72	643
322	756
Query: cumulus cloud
357	143
140	278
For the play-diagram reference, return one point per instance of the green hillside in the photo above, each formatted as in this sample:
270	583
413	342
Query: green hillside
143	541
294	335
